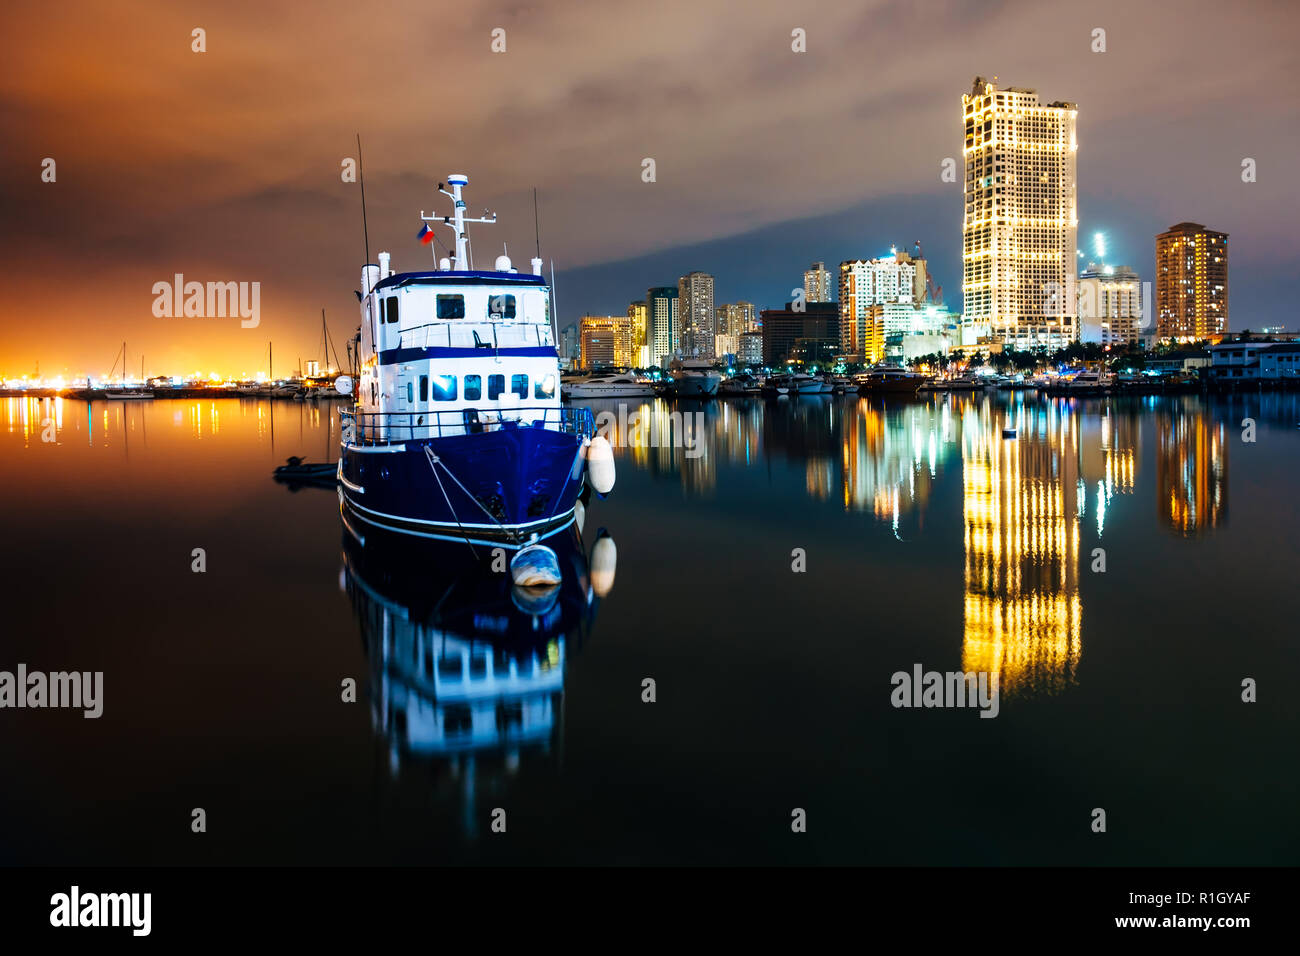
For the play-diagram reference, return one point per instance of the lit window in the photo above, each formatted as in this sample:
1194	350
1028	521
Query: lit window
444	388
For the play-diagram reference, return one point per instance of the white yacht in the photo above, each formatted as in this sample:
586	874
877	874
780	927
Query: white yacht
614	385
694	378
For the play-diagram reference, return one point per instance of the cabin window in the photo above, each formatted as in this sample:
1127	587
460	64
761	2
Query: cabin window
444	388
424	388
545	388
451	307
390	309
496	385
473	388
519	385
410	392
501	306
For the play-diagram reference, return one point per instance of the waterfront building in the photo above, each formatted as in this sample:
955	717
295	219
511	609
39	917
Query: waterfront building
1191	283
749	349
1110	305
570	347
598	334
864	283
640	349
810	336
736	318
1183	362
698	317
1020	226
900	331
663	323
1252	360
817	283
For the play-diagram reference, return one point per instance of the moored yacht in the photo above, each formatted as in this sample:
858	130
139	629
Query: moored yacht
612	385
888	380
694	378
457	431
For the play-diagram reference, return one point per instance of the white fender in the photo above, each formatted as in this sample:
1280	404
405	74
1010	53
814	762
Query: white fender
579	515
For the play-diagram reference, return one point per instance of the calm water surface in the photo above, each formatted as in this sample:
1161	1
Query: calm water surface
928	538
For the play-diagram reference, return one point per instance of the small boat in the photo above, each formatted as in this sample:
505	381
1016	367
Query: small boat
127	393
1008	433
1084	382
739	385
618	385
295	472
776	385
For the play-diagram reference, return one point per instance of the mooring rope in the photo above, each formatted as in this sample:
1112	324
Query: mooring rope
433	461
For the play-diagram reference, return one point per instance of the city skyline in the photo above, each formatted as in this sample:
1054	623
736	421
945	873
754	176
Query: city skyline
235	193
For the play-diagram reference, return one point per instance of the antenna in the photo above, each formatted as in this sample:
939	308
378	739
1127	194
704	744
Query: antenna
361	171
457	220
537	227
555	309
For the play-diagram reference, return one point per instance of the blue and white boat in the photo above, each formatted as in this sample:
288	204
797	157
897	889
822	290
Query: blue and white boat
457	431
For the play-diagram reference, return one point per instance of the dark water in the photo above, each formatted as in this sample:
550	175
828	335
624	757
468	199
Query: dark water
928	539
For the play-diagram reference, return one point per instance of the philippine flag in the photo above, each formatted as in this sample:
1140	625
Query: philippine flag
425	235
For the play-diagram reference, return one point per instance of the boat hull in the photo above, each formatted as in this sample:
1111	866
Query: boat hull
695	386
502	486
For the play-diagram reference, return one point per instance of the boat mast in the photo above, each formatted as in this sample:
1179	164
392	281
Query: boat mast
457	220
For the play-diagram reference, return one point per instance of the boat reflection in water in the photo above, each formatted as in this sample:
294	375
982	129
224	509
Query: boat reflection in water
467	669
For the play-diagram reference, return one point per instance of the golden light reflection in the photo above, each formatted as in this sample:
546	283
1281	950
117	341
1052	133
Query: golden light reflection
1191	472
1023	615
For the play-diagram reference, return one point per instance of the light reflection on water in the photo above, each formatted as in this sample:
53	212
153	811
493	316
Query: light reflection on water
931	538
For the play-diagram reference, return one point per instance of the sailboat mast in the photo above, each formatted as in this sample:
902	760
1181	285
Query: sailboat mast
270	365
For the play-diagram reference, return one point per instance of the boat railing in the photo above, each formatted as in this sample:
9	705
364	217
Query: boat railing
388	428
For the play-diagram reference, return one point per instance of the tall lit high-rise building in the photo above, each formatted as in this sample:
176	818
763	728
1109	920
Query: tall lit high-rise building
663	323
1020	228
597	335
736	318
1110	305
695	290
1191	282
895	278
640	353
817	284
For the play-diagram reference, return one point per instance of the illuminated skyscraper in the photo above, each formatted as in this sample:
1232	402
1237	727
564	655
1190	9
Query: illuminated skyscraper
1021	218
864	283
1110	305
663	323
640	350
598	335
1191	282
817	284
695	292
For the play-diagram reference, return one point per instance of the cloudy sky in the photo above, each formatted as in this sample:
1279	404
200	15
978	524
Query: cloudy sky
225	165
